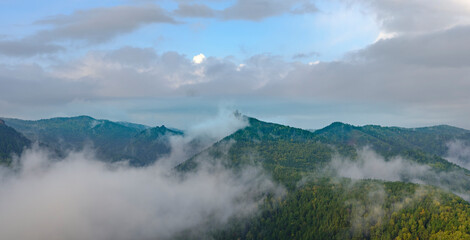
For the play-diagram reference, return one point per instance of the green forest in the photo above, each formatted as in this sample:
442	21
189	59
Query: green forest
317	203
365	209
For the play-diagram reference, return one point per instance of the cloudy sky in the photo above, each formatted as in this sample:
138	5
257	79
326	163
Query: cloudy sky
304	63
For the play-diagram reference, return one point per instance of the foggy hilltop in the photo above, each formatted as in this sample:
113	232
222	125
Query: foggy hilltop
117	120
231	177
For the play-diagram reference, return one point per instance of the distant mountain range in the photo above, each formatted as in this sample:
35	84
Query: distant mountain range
282	147
112	141
11	143
319	204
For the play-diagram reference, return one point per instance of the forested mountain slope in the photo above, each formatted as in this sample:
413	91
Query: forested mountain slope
425	145
112	141
289	152
323	206
11	142
150	144
319	203
365	209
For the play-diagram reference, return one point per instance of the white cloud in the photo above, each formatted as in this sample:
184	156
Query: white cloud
240	66
81	198
370	165
202	135
385	36
458	152
198	59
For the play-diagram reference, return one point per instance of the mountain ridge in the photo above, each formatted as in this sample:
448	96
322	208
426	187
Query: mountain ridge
318	204
11	143
112	141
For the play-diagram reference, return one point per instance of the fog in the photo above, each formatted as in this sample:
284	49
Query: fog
202	135
371	165
459	153
82	197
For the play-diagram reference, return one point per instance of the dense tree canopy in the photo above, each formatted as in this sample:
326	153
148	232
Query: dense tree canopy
365	209
11	142
318	204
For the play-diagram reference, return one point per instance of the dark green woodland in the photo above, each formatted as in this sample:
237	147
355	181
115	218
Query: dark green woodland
317	204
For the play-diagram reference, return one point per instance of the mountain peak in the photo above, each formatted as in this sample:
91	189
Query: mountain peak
336	125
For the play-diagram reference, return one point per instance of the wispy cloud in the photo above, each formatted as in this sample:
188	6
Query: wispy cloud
458	152
202	135
370	165
249	10
194	10
90	26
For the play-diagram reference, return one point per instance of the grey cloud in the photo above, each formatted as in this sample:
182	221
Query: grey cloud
418	15
132	56
26	48
194	10
249	78
407	72
252	10
91	26
378	82
305	55
446	48
170	74
305	8
256	10
98	25
29	84
101	24
402	70
113	75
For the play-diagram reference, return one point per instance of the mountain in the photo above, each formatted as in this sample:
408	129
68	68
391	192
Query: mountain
270	138
323	206
11	142
289	152
139	127
151	144
394	140
365	209
75	133
112	141
318	203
